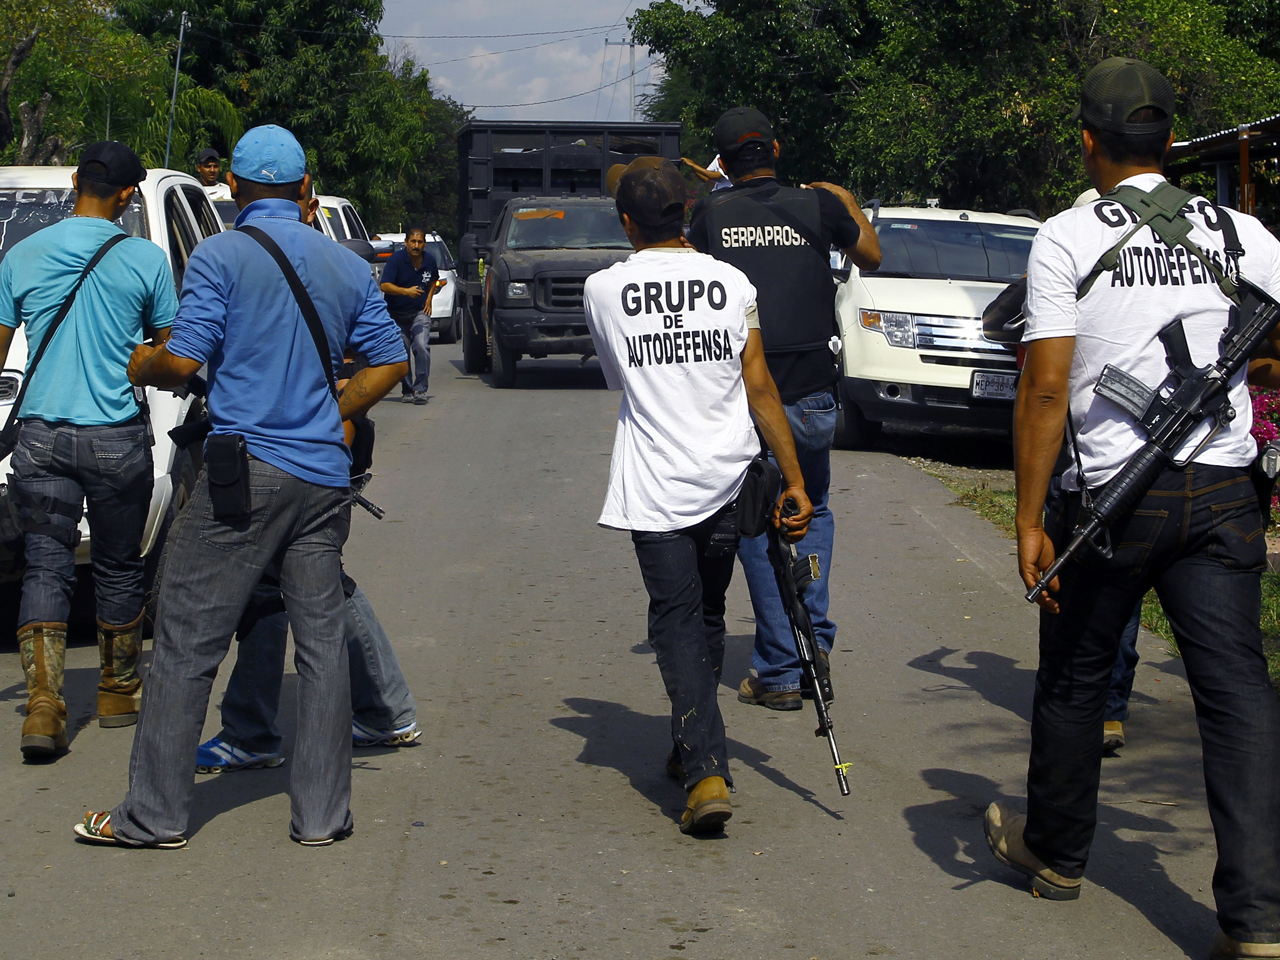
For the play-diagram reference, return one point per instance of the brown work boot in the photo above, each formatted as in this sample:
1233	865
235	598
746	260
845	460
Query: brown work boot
120	690
1003	828
708	807
1224	948
753	691
43	649
1112	735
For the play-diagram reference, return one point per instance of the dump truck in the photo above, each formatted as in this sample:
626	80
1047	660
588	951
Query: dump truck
535	220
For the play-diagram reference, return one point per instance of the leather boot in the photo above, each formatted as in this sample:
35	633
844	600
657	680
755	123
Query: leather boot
120	690
43	649
708	807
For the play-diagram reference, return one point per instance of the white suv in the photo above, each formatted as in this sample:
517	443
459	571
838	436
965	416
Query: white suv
912	330
172	211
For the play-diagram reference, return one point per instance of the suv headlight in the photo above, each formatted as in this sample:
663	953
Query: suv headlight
898	328
517	291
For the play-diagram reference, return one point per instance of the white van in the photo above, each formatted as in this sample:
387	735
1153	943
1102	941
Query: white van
172	211
912	330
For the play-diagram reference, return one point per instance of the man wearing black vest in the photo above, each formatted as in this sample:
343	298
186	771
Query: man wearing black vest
780	237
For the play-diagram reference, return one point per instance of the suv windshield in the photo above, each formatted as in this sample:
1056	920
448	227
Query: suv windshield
950	250
23	212
566	227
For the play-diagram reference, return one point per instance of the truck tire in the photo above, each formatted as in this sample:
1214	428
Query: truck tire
449	334
853	430
504	363
475	353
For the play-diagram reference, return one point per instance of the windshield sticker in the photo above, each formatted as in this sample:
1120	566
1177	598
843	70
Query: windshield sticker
530	213
902	226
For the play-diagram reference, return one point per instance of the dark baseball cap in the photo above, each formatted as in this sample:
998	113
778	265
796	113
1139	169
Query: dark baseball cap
618	169
1118	86
740	126
208	153
652	194
112	163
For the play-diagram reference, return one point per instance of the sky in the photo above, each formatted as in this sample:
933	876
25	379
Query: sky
564	54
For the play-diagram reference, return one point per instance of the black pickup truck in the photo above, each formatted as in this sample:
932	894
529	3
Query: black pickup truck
536	221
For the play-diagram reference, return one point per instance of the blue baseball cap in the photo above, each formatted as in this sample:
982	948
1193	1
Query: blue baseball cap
269	154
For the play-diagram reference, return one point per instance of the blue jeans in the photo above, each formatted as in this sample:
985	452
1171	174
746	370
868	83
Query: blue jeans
1196	537
110	469
1126	667
813	424
686	573
417	341
211	571
380	697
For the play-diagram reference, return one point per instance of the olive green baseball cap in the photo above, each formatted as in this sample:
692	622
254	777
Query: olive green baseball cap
1118	86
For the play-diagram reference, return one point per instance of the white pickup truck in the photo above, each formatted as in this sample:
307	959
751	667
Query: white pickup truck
172	211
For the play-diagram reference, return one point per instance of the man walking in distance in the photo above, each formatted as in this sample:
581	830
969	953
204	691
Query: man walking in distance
1196	537
780	237
83	438
409	282
693	374
269	389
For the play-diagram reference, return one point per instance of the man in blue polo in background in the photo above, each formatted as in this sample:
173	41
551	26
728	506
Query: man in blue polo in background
268	386
409	281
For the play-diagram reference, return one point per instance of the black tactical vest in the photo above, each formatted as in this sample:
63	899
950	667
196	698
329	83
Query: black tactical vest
795	292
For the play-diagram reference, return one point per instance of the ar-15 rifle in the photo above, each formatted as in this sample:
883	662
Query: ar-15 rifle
793	575
357	486
1170	414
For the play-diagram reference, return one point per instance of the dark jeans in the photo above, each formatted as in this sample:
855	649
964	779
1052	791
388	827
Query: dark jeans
110	469
813	424
1126	668
1197	538
211	570
687	573
380	697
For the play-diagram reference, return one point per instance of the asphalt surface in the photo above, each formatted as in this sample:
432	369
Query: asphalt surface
534	819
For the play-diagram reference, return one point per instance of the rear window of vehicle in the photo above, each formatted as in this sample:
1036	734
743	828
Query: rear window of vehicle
23	212
952	250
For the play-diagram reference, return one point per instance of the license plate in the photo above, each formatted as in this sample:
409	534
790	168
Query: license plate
994	386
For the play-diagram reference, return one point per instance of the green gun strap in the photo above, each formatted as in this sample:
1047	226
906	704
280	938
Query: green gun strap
1161	209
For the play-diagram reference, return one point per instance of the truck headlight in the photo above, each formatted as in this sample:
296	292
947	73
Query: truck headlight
517	291
898	328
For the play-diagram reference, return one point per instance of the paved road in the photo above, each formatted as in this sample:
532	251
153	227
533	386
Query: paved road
534	819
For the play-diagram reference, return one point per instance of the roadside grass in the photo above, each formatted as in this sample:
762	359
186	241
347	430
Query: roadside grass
998	506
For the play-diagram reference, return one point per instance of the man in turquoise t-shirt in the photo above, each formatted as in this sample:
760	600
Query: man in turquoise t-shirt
83	438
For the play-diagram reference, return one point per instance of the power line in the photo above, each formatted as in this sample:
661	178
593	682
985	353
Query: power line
538	103
406	36
495	53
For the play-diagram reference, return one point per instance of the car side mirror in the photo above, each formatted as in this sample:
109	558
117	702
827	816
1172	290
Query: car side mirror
468	249
841	266
362	249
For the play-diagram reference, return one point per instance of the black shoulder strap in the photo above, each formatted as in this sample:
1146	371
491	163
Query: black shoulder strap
309	312
53	328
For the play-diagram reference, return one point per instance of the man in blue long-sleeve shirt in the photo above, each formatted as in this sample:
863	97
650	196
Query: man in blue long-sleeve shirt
267	385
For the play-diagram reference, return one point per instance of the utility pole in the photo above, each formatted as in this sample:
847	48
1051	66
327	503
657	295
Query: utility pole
173	99
632	44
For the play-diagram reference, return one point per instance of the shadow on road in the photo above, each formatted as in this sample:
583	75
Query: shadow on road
997	679
637	744
548	375
949	831
958	446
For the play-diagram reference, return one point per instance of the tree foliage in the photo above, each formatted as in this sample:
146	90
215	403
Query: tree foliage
966	100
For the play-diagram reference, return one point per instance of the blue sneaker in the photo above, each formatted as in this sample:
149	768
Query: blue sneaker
362	736
216	755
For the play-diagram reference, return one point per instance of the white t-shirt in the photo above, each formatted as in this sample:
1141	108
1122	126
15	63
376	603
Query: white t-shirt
669	326
723	182
1118	319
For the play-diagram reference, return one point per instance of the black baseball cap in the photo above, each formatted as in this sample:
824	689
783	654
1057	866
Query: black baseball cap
1118	86
652	194
738	127
208	153
112	163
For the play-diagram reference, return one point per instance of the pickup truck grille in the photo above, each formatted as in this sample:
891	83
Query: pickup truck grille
958	334
560	293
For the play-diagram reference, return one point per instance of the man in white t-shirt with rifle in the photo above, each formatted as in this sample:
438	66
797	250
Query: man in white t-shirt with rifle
677	332
1104	281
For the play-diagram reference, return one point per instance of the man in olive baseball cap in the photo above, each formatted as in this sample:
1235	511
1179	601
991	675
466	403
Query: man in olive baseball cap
653	195
1119	87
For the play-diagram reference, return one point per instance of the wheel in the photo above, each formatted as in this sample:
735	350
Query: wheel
504	363
184	483
853	430
475	352
449	334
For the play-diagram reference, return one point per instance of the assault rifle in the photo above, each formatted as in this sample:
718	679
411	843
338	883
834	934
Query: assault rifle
357	496
793	575
1170	414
